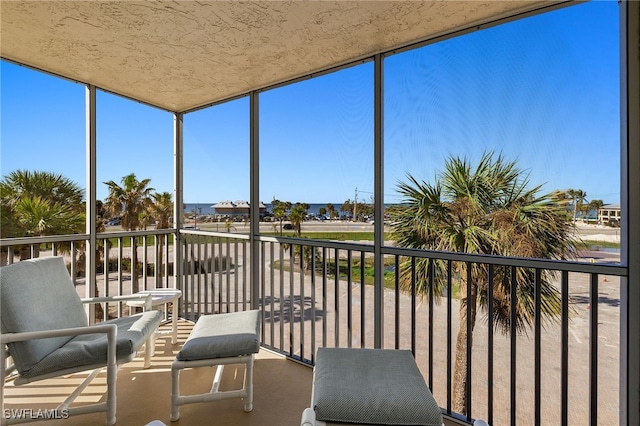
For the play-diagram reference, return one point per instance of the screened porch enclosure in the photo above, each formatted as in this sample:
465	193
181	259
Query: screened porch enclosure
358	125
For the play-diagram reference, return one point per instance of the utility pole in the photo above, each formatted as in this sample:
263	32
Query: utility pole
355	204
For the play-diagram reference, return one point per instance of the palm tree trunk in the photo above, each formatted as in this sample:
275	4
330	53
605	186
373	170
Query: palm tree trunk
460	391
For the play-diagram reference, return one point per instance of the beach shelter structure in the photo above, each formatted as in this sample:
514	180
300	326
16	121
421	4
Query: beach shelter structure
237	208
183	56
224	207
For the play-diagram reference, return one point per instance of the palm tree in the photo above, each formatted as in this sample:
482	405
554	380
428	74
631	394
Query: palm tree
596	205
40	203
331	209
161	211
486	210
130	201
578	198
297	215
279	210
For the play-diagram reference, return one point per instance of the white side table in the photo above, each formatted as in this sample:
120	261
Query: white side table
162	296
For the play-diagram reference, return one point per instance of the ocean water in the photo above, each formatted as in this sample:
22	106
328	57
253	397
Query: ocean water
207	208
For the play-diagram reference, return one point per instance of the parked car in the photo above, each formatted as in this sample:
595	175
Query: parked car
287	226
115	221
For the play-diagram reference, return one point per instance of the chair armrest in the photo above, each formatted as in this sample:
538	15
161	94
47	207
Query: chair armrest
109	329
146	297
308	417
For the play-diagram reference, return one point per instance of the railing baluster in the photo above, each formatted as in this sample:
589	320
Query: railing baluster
362	300
490	314
313	305
282	296
349	299
214	262
263	297
470	306
593	350
513	330
397	301
337	299
245	278
538	348
207	262
201	271
413	306
120	273
144	264
220	258
272	294
430	331
449	332
564	357
193	278
167	239
302	301
236	295
74	261
227	270
291	301
324	297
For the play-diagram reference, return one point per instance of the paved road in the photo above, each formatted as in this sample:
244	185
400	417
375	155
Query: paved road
584	231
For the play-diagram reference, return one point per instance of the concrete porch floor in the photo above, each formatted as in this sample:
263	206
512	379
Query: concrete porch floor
282	390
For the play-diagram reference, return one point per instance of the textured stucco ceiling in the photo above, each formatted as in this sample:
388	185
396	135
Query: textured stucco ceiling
183	54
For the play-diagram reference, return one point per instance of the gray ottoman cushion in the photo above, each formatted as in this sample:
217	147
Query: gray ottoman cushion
223	336
372	386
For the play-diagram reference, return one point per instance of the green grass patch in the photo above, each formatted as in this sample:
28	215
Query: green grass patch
590	244
343	271
334	236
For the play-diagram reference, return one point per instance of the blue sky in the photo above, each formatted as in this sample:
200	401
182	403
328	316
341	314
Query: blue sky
543	91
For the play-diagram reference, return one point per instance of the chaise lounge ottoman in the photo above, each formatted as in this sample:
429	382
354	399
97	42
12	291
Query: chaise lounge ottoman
369	387
219	339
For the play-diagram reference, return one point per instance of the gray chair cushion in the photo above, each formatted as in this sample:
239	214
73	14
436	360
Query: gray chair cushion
372	386
37	295
223	336
91	349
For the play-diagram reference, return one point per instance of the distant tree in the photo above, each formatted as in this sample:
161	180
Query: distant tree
130	201
364	210
297	215
161	211
578	197
488	209
280	210
332	210
347	207
322	211
596	205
